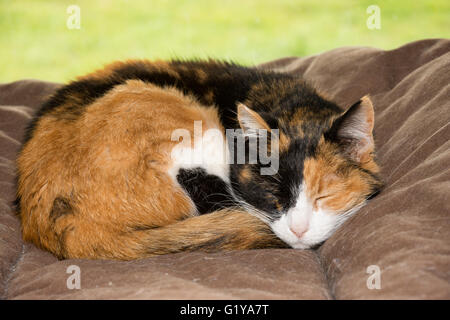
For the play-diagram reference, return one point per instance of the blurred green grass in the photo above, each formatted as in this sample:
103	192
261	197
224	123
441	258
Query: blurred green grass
35	42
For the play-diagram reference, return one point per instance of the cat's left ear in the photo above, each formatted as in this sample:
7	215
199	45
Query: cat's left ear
354	130
250	121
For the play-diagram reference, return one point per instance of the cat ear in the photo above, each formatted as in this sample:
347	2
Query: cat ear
250	121
353	130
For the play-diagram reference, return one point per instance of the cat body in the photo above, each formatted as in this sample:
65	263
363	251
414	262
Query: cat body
107	170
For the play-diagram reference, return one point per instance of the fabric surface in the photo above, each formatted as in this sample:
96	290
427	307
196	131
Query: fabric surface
405	231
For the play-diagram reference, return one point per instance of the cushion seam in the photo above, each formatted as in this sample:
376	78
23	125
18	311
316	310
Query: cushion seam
321	264
11	272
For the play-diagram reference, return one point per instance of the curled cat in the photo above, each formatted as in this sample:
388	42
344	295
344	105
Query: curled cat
107	169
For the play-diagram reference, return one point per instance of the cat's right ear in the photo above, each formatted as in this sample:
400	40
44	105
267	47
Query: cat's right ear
250	121
353	130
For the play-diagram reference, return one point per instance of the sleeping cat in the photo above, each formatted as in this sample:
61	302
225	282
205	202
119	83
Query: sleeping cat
102	175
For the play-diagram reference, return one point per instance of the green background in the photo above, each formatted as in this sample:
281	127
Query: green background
36	43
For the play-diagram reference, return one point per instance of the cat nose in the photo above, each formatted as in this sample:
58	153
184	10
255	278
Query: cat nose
299	231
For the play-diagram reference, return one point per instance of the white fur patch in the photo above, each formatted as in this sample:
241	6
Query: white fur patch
314	226
210	152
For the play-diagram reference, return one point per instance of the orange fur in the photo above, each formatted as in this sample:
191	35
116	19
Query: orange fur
332	182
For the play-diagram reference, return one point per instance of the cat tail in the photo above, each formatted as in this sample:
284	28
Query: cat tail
223	230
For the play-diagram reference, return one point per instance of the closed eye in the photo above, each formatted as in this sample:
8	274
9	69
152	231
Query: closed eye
322	198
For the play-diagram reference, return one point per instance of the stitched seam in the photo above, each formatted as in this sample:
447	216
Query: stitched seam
325	273
11	272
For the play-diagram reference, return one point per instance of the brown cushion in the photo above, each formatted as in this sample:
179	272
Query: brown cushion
405	231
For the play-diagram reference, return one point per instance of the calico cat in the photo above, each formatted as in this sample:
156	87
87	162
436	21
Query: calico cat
101	175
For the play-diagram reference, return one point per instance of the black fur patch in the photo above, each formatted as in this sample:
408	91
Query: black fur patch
229	82
143	227
214	244
61	206
208	192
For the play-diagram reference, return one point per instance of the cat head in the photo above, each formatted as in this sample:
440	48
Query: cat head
326	171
